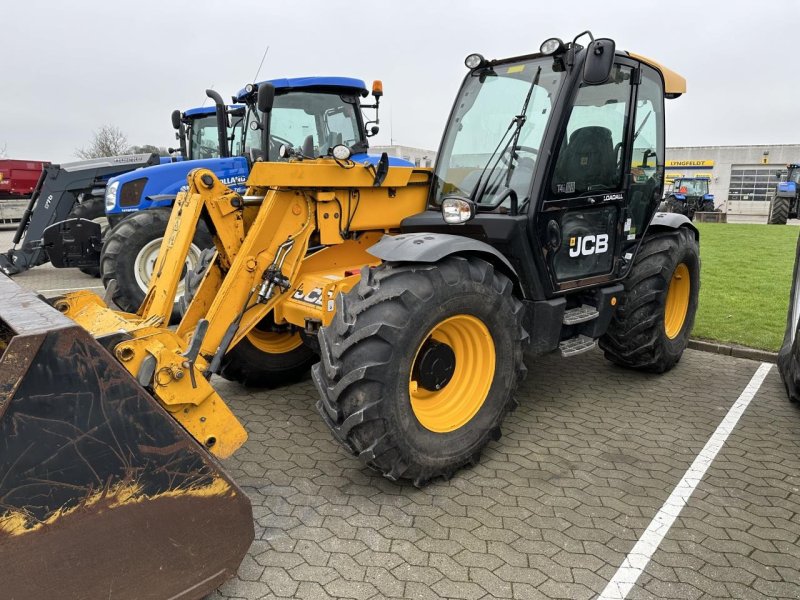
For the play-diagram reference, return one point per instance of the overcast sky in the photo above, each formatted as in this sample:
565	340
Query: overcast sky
70	67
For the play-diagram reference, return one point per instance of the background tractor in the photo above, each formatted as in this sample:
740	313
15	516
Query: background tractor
311	114
418	292
49	229
784	205
689	195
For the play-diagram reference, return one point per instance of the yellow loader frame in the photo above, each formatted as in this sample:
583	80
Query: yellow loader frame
266	262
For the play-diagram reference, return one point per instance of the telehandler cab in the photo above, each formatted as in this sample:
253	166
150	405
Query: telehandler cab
420	291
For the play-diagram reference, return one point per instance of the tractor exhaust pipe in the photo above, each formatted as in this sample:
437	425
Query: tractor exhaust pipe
222	123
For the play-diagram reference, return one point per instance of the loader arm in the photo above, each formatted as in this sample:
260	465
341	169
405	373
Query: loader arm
262	267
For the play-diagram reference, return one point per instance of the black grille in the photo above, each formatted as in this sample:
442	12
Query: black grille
132	192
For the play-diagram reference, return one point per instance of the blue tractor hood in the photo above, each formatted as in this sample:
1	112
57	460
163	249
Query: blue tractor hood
157	186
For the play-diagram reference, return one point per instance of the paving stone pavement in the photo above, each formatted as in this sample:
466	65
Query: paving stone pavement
584	464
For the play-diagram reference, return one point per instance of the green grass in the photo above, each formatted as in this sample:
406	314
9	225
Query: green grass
745	275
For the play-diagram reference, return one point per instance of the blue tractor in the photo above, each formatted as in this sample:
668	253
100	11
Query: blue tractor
784	205
310	116
689	195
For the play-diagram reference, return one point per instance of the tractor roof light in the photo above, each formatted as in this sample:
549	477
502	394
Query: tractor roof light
473	61
457	210
552	46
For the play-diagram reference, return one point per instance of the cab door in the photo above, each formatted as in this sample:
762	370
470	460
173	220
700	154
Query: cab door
598	196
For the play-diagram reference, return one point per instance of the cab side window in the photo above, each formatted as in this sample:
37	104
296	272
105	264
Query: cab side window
647	158
589	158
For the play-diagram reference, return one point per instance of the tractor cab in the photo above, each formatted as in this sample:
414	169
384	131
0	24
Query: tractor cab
197	130
307	117
691	187
557	158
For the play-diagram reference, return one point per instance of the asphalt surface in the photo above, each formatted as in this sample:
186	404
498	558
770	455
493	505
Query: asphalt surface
554	507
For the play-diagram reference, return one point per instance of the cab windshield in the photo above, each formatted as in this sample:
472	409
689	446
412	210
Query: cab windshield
486	149
310	122
692	187
203	139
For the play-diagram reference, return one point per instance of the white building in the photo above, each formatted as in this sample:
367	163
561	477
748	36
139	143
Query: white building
742	178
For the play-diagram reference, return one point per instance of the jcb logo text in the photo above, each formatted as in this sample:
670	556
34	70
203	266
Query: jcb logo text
588	244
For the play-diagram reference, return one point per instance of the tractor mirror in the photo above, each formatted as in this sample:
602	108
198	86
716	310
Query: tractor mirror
176	119
266	96
599	60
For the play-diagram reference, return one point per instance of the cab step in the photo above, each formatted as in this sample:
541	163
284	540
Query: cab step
576	345
580	314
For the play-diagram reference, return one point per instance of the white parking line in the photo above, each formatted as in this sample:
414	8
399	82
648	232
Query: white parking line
636	561
91	287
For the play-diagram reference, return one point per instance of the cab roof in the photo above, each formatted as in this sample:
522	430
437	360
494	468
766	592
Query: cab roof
207	110
346	83
674	84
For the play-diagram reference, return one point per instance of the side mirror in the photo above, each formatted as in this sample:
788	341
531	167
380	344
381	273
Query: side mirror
266	96
176	119
599	61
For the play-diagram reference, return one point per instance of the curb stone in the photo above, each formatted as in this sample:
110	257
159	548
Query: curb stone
735	351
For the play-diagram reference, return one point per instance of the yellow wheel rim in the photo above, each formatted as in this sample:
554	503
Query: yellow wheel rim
677	304
461	398
274	343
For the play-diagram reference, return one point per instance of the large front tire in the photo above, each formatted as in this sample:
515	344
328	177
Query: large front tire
779	210
651	327
130	251
420	364
789	354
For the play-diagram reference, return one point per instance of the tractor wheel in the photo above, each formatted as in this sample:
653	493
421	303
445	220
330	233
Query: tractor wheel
268	357
778	211
129	255
651	327
789	354
420	364
675	206
708	206
92	209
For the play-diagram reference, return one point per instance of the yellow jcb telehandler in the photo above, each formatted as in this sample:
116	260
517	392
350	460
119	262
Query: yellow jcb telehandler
420	291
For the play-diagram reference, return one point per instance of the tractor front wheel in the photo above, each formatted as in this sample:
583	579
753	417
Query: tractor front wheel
420	364
268	357
130	252
779	211
651	327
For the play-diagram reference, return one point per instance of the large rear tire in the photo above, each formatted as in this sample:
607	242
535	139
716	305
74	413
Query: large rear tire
92	209
651	327
420	364
789	354
268	358
130	251
779	211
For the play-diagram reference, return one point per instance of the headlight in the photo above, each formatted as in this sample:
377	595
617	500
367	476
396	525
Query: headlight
457	210
551	46
473	61
111	196
341	152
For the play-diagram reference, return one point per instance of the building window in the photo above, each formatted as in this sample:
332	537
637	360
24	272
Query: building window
753	183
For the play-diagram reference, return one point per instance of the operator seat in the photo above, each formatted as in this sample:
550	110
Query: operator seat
588	161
